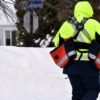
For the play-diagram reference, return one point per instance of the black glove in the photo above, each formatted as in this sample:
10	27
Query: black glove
97	38
70	48
94	50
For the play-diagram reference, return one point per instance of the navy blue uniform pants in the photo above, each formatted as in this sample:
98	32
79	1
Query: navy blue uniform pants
84	87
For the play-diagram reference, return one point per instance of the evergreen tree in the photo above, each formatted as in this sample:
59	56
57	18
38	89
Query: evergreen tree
51	17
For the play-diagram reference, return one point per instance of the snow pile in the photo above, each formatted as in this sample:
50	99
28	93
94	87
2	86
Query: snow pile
30	74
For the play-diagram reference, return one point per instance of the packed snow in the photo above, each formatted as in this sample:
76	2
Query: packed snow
30	74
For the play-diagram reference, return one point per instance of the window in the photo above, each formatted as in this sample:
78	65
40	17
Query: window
7	37
10	37
13	37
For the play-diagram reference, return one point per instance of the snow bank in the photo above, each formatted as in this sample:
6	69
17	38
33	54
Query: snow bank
30	74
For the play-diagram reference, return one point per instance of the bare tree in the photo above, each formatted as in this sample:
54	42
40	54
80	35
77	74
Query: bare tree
6	7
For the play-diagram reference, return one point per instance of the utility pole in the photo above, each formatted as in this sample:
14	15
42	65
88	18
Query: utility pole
30	6
31	22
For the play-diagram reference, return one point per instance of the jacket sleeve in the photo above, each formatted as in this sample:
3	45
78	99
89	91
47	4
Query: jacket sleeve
62	33
98	27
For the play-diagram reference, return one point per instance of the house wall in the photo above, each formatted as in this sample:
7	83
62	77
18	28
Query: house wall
3	33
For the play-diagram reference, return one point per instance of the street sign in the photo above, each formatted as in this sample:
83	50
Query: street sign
30	22
33	4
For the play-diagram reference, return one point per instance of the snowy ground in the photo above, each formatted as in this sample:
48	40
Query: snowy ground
30	74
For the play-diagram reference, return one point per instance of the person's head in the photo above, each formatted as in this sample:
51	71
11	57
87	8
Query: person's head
83	9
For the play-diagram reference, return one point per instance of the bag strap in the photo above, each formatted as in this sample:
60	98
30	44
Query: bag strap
79	27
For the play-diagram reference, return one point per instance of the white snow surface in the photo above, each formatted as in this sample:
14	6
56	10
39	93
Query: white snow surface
30	74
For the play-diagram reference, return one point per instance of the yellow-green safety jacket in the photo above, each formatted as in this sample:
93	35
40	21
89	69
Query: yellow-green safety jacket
82	9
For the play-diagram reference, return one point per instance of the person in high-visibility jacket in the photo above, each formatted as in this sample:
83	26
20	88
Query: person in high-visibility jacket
83	75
